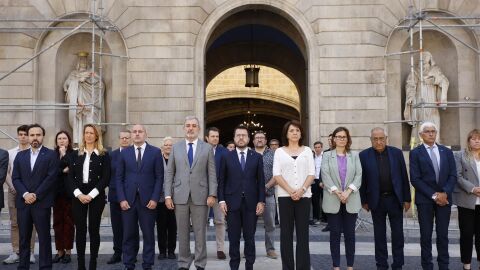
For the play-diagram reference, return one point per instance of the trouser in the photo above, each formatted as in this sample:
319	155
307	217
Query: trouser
93	213
338	223
219	219
391	207
198	215
166	229
269	222
40	217
294	215
469	224
117	227
63	225
14	235
427	213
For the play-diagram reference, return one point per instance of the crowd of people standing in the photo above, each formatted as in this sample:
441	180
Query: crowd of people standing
173	187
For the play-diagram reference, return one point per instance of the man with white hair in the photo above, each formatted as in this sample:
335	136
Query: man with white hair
433	174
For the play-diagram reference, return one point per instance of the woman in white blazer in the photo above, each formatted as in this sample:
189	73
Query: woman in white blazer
467	197
342	176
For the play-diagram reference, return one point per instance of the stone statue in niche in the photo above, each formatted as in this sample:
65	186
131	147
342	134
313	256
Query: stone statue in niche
434	93
85	94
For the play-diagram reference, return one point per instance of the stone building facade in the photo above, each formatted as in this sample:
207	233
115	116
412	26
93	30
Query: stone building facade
333	50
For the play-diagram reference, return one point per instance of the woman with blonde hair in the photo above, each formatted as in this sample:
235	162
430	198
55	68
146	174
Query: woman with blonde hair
466	196
89	175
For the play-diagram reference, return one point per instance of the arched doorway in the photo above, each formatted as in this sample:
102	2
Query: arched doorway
262	37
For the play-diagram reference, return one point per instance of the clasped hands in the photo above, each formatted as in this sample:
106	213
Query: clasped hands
476	191
259	210
442	198
30	198
151	205
296	194
343	195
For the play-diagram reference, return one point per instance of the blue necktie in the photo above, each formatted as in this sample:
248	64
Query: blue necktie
242	160
190	154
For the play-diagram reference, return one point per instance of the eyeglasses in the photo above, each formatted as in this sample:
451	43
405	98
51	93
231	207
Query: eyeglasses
341	137
379	139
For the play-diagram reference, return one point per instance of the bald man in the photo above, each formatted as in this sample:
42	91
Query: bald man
139	184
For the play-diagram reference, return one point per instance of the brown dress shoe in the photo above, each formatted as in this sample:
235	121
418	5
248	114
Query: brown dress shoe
221	255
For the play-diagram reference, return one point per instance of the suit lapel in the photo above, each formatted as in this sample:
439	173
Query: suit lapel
373	160
334	166
473	164
197	152
184	153
146	154
38	160
350	170
425	154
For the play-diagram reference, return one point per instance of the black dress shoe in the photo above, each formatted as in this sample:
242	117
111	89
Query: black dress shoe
326	229
172	256
116	258
200	268
67	258
57	258
162	256
182	268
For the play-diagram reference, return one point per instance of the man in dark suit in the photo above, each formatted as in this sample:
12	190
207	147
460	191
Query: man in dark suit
433	174
213	138
241	192
115	210
34	174
139	184
3	173
386	191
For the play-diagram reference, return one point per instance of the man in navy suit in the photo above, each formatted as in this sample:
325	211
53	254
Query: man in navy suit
386	191
213	137
433	174
115	210
34	174
241	192
139	184
3	172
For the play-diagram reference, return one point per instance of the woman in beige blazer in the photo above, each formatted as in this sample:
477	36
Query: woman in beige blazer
342	176
467	197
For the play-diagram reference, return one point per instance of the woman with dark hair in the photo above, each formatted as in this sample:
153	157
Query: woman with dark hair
342	176
62	209
467	197
294	172
88	178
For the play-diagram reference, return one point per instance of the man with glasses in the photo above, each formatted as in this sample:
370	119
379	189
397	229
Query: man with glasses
385	191
115	210
274	144
433	173
260	143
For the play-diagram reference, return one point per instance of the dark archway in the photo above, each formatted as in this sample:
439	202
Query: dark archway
258	37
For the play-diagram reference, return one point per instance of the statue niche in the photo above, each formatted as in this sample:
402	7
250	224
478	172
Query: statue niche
85	94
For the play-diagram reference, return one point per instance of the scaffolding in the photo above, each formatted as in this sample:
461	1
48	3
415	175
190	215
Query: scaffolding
96	22
420	20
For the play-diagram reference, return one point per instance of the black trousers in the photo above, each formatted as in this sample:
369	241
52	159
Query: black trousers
117	226
316	197
469	224
338	223
294	215
93	213
166	229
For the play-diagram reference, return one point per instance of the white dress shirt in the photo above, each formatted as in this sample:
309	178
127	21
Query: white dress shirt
240	155
12	153
143	146
435	152
194	146
294	171
86	173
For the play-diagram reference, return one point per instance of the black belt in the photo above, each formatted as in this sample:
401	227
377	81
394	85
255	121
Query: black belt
386	194
243	194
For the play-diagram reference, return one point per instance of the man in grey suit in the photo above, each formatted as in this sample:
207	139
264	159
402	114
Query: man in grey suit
190	188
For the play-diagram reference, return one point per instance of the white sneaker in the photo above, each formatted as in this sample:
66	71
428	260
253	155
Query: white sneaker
13	258
32	258
210	223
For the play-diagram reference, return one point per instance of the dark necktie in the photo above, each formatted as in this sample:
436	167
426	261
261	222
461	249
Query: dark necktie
242	160
190	154
139	157
433	157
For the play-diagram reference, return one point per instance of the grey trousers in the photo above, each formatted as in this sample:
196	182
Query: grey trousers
269	220
219	226
198	215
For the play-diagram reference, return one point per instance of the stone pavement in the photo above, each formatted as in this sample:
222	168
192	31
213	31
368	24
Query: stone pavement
319	249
